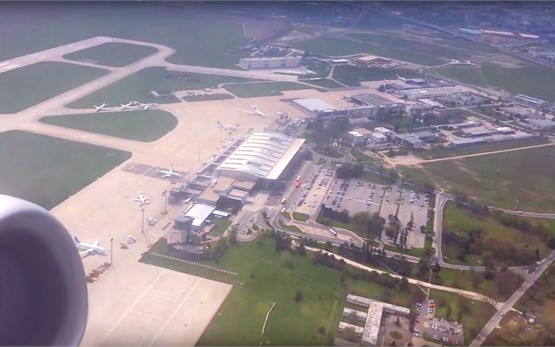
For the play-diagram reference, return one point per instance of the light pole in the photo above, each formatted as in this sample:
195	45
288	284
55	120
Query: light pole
165	194
111	251
143	220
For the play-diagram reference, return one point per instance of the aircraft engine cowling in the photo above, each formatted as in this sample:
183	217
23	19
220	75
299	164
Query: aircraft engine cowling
43	291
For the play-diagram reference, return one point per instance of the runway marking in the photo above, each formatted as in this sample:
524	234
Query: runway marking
132	306
175	312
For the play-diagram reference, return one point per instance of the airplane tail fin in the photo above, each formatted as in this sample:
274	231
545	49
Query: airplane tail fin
219	122
76	239
96	242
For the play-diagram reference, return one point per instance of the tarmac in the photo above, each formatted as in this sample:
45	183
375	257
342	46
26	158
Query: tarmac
134	303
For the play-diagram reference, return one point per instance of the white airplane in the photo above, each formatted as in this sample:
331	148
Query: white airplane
168	173
226	126
146	106
133	103
142	199
255	111
88	248
101	107
125	106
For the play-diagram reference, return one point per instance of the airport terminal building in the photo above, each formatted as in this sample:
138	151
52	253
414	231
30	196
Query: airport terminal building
263	157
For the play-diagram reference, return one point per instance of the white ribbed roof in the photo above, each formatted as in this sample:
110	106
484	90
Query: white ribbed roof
264	155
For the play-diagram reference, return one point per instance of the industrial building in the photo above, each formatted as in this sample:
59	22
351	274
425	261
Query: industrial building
262	157
539	124
410	141
430	92
270	62
526	100
322	110
378	102
227	188
372	319
359	136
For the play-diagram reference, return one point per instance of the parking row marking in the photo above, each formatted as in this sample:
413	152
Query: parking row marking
195	263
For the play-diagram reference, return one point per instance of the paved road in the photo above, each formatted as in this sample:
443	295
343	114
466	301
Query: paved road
465	293
507	306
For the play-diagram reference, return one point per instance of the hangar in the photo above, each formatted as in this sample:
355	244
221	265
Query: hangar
262	157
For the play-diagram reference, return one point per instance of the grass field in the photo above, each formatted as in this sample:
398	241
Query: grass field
258	89
450	152
27	86
494	235
197	40
535	81
420	47
500	179
145	126
115	54
260	268
207	97
303	217
139	86
323	82
329	46
47	170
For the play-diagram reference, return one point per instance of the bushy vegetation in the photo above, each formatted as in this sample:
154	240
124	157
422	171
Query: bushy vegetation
363	223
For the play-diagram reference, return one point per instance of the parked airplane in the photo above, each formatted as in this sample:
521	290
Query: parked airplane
88	248
125	107
133	103
142	199
101	107
226	126
255	111
146	106
168	173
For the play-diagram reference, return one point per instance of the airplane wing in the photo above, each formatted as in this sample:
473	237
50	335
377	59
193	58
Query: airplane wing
87	252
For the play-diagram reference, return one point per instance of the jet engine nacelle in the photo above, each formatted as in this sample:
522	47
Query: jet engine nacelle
43	290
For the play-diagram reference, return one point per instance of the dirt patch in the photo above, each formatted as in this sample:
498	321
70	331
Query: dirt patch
507	62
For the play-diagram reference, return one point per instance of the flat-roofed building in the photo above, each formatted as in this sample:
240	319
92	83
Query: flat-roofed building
322	110
346	326
199	213
270	62
526	100
378	138
383	131
378	102
209	197
261	156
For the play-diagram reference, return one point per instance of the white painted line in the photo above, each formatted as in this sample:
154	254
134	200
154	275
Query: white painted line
3	64
131	307
175	312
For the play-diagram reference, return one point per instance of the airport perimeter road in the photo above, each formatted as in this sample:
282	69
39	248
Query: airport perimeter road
507	306
527	214
465	293
441	201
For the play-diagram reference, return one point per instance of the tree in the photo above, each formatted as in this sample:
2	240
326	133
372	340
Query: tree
302	250
298	296
404	285
436	268
322	331
233	235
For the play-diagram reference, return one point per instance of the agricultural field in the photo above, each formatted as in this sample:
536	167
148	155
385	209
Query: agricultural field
145	126
258	89
32	84
495	238
323	290
329	46
47	170
114	54
535	81
521	180
140	86
196	39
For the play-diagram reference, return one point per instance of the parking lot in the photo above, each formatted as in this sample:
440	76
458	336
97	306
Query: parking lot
355	196
415	204
436	329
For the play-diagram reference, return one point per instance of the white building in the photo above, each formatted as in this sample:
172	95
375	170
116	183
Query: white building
199	213
270	63
261	156
378	137
383	131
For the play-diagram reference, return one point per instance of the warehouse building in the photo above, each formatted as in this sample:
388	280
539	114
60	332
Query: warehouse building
530	101
378	102
322	110
270	63
263	158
